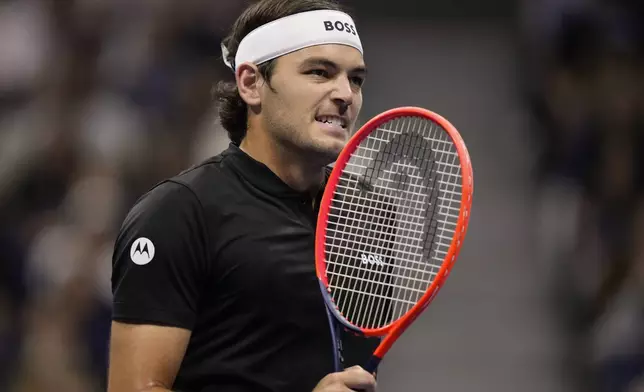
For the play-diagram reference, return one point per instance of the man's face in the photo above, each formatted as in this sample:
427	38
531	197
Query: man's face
314	98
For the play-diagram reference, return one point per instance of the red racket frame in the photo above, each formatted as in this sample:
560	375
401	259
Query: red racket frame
393	331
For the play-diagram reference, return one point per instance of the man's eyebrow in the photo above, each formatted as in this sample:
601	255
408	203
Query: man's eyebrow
330	64
362	69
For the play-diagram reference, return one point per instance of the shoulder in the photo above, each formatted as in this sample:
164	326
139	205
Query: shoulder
189	187
206	173
179	201
209	181
165	198
190	199
166	215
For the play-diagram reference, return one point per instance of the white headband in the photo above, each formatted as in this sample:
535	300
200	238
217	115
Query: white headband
295	32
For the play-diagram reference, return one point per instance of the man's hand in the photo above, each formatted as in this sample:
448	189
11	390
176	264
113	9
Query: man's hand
352	379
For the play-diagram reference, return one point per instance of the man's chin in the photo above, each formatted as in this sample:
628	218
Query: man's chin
328	152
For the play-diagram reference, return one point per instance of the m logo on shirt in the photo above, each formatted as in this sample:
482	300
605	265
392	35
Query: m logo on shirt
142	251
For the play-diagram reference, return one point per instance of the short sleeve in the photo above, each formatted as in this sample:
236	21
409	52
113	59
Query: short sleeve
159	259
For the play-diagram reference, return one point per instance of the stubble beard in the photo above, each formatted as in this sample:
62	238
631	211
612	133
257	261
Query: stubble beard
302	143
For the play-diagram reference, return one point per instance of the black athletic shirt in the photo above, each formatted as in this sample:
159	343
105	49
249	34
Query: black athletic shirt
226	250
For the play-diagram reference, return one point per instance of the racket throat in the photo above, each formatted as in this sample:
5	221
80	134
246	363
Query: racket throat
336	342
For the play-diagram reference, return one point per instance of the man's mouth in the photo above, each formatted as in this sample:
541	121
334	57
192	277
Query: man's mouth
333	120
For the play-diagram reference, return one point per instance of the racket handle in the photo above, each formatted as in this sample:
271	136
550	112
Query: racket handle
373	363
371	366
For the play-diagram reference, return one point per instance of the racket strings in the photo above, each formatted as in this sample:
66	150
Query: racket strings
391	221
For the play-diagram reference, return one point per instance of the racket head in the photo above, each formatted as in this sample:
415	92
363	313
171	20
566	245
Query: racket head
395	325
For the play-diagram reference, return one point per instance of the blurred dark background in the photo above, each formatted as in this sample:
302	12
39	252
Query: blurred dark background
100	99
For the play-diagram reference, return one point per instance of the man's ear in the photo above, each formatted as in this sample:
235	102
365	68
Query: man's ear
249	81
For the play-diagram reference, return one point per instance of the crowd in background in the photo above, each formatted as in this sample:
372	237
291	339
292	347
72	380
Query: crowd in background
99	100
584	83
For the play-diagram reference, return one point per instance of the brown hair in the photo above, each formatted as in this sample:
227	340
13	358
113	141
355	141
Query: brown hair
233	111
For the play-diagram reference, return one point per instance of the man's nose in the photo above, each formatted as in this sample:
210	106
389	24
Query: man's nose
342	94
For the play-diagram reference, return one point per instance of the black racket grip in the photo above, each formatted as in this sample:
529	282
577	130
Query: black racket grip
372	365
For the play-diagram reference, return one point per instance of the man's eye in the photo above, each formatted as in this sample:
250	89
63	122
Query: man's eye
319	72
358	81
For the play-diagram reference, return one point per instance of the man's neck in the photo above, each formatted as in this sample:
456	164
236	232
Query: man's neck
295	170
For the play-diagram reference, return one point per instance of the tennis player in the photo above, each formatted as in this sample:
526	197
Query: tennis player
213	270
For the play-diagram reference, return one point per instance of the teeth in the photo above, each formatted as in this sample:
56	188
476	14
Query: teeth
332	120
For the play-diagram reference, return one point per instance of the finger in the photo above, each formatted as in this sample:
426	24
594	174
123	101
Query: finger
357	378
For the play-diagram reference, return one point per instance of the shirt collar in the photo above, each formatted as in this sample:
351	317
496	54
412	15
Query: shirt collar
260	176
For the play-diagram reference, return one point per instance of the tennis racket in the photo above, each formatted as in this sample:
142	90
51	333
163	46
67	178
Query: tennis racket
391	223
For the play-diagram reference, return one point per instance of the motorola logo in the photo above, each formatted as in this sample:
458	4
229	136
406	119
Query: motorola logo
142	251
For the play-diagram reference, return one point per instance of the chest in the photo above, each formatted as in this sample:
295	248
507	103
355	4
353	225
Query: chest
264	260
